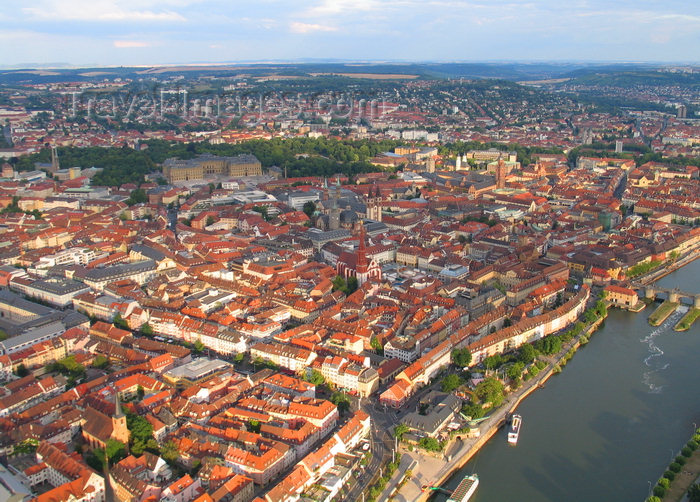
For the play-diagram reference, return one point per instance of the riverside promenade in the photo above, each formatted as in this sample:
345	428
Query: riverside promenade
661	272
433	471
689	475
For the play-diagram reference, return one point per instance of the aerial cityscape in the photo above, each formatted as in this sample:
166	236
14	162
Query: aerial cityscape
349	251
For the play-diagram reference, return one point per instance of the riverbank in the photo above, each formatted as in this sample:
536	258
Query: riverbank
670	268
682	472
435	472
687	320
624	420
662	312
688	475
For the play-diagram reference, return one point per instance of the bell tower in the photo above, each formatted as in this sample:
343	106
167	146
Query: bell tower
120	431
501	174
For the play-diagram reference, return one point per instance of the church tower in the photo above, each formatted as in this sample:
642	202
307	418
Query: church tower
430	164
362	268
334	216
55	166
501	174
366	268
120	432
374	206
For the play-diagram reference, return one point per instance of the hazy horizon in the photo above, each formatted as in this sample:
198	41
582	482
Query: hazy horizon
85	33
359	62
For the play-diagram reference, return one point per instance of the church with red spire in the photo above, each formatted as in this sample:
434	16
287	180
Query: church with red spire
357	264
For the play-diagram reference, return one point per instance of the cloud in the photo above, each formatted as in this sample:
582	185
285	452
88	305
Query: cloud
303	28
130	44
99	10
680	17
335	7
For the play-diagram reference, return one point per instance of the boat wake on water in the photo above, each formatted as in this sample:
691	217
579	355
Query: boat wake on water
655	351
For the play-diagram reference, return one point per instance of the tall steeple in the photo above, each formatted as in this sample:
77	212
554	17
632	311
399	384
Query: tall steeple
500	173
336	193
362	262
120	431
334	216
55	166
118	412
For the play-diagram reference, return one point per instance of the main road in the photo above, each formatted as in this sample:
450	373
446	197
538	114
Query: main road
381	445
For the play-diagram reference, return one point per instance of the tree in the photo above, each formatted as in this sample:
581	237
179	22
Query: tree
515	371
342	401
430	444
253	425
352	284
21	371
309	208
120	322
376	344
25	446
169	451
473	410
100	362
527	353
199	346
96	459
559	300
400	430
461	357
69	367
315	377
694	493
601	308
138	196
490	391
263	211
450	383
146	329
12	207
140	433
339	284
115	451
210	221
549	345
493	362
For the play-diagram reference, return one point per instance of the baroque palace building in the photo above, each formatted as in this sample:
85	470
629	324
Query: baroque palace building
207	165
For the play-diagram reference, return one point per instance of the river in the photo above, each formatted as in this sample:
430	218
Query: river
609	423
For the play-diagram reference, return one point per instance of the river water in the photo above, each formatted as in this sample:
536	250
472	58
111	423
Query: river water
609	423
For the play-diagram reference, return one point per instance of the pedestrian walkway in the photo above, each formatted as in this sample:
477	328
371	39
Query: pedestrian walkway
688	475
437	470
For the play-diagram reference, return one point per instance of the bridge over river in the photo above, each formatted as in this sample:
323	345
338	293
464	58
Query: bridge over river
675	295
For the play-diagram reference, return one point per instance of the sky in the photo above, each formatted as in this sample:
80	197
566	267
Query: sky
148	32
